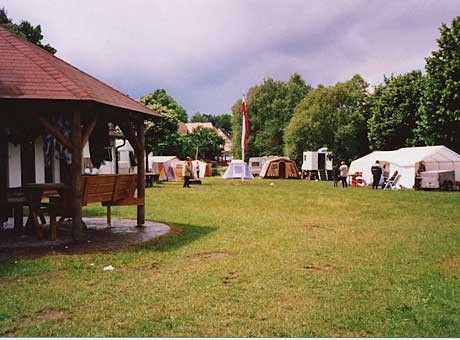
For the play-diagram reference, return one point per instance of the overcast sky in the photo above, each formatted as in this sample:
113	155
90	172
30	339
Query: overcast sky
206	52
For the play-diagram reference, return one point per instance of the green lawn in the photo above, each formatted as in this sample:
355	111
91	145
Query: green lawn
249	259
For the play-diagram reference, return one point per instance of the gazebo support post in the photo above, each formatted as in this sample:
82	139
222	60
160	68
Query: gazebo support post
76	137
140	171
3	176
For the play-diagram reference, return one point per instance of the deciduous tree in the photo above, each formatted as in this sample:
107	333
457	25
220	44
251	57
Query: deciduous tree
161	98
333	117
270	108
394	109
440	106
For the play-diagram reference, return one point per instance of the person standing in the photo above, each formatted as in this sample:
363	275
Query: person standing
187	172
197	167
336	174
376	170
343	174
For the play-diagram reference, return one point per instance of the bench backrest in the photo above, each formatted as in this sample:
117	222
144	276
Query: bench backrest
108	188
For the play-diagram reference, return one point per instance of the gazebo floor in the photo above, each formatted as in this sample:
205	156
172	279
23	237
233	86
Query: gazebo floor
96	237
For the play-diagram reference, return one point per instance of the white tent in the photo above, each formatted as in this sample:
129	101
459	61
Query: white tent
406	161
237	169
201	169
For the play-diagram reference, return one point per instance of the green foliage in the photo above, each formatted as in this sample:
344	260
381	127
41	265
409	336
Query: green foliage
160	98
223	121
162	137
440	108
25	30
270	108
334	117
394	110
207	143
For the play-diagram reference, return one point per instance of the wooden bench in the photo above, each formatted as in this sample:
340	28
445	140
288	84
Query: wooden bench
109	190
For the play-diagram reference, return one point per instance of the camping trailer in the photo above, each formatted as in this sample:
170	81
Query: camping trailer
437	179
318	164
256	164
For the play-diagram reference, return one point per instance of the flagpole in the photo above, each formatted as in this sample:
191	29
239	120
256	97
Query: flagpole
243	133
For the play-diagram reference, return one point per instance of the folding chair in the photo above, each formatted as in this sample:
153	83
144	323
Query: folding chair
392	181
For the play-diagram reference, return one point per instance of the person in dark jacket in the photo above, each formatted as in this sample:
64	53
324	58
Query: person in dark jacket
336	174
376	170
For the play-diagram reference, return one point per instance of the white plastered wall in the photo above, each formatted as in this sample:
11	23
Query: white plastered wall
14	165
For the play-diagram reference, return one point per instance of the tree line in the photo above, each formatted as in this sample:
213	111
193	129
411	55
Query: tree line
351	118
162	136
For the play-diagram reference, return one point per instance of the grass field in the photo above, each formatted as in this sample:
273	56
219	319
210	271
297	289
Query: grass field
249	259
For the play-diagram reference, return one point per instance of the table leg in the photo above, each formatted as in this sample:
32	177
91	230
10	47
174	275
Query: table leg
37	225
18	211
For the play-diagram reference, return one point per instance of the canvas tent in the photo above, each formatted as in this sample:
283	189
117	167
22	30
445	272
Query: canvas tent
163	166
279	167
201	169
237	169
406	161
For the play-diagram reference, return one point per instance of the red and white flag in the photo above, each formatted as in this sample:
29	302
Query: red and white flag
245	124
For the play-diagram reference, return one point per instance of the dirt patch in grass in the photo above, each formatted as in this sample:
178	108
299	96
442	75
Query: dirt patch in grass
323	268
207	256
153	267
53	314
9	333
314	227
452	265
230	278
7	282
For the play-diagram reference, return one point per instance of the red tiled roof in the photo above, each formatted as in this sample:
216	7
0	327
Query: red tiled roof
29	72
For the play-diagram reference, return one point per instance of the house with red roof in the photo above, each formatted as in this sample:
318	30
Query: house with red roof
187	128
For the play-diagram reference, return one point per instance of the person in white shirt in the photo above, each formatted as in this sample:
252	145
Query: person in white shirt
344	174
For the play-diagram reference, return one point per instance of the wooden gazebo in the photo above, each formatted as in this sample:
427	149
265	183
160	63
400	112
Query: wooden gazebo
36	86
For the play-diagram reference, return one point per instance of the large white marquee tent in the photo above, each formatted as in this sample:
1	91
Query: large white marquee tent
406	162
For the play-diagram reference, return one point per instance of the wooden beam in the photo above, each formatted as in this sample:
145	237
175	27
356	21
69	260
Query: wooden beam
54	131
4	177
89	130
140	172
77	225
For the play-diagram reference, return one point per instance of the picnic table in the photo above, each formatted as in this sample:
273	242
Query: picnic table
34	194
150	177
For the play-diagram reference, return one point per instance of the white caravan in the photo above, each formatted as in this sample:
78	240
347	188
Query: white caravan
317	164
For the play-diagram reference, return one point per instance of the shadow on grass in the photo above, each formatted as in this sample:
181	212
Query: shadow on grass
179	236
